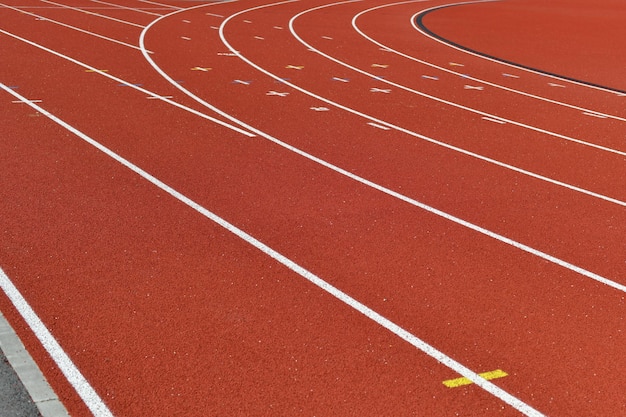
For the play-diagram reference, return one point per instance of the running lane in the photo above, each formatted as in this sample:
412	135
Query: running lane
182	325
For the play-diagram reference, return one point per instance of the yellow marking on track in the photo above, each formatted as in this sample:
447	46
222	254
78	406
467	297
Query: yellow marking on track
380	66
201	69
454	64
89	70
458	382
297	67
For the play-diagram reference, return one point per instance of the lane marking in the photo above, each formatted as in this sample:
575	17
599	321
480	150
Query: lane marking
278	27
491	119
327	38
98	71
158	97
161	4
320	108
92	398
276	93
473	87
296	67
241	82
454	64
556	85
143	90
343	80
380	90
459	382
185	38
74	27
378	126
226	53
214	14
430	77
598	115
259	38
464	223
203	69
26	101
380	66
510	75
118	6
383	47
103	16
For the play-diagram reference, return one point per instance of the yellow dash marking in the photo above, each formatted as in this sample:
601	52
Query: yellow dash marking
454	64
89	70
458	382
297	67
201	69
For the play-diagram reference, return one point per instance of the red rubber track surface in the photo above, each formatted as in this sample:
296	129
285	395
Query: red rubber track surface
167	313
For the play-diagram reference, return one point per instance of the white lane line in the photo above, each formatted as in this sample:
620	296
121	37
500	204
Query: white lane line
72	27
406	199
432	65
118	6
438	99
414	17
143	90
92	397
64	6
71	372
598	115
168	6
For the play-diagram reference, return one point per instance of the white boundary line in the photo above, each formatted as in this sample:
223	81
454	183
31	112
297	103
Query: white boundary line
440	213
45	19
86	392
438	99
133	86
91	398
432	65
595	87
31	377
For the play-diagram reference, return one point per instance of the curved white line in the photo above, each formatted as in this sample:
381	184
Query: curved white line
130	85
438	99
293	266
478	80
495	60
371	184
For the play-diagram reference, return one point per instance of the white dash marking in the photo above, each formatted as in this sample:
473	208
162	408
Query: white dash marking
598	115
471	87
490	119
186	21
276	93
430	77
327	37
213	14
320	108
158	97
504	74
380	90
343	80
278	27
259	38
26	102
185	38
556	85
379	126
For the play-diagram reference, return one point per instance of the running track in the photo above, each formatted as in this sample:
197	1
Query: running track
316	208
